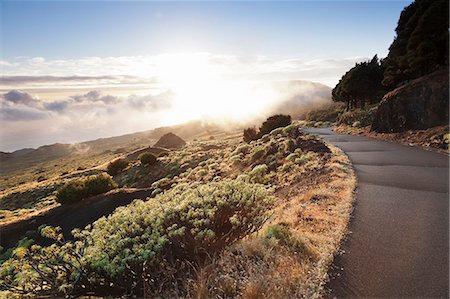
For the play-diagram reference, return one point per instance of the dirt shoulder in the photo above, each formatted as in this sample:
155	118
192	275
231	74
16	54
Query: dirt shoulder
434	139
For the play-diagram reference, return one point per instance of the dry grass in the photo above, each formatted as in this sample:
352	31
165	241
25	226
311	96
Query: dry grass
262	267
315	195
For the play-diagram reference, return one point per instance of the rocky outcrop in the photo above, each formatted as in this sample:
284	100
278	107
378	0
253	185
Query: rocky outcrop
170	140
420	104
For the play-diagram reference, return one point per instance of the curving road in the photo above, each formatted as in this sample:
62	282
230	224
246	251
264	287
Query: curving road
398	244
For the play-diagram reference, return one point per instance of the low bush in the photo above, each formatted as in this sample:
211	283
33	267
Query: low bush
257	153
147	247
250	134
80	189
116	166
242	149
148	158
284	236
359	117
326	113
292	130
273	122
257	175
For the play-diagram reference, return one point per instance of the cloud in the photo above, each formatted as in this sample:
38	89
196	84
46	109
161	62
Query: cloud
19	97
92	97
16	105
157	102
57	106
95	96
13	80
148	69
21	114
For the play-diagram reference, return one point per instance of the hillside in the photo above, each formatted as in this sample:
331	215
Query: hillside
279	204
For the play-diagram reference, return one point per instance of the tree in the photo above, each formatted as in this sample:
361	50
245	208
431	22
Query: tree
361	84
421	44
250	134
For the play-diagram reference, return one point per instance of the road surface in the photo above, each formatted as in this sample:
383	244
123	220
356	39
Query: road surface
398	244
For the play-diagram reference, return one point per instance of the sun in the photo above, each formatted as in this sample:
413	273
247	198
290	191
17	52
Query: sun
202	91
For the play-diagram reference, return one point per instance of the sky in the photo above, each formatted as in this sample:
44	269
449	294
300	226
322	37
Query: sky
75	67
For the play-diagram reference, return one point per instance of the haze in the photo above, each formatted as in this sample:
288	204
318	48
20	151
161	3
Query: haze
74	71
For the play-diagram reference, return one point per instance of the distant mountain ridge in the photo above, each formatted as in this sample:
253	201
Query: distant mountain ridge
30	156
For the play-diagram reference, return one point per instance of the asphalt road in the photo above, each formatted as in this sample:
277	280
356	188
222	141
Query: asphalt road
398	244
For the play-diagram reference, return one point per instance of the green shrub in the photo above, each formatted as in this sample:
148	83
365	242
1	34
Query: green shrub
157	241
328	112
183	223
276	132
71	192
257	153
250	134
280	233
291	130
283	235
148	158
242	149
116	166
273	122
292	157
80	189
363	116
257	175
163	154
356	124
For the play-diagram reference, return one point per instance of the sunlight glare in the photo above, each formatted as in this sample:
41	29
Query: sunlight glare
202	92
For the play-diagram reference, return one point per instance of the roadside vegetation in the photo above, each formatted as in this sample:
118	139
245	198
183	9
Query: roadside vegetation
80	189
226	218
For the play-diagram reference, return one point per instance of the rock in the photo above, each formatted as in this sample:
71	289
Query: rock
418	105
170	140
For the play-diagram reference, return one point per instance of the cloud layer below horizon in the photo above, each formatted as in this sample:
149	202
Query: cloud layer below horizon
69	100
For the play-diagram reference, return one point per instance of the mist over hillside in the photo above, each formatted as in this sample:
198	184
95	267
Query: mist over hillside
97	115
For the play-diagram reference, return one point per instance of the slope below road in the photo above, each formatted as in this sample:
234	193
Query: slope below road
398	244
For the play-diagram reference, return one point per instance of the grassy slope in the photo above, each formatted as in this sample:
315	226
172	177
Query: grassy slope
314	191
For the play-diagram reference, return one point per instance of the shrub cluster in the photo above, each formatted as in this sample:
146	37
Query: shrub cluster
148	246
325	113
148	158
272	123
358	117
79	189
116	166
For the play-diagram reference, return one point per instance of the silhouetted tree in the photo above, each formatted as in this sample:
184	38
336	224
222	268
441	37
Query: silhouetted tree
361	84
273	122
421	44
250	134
